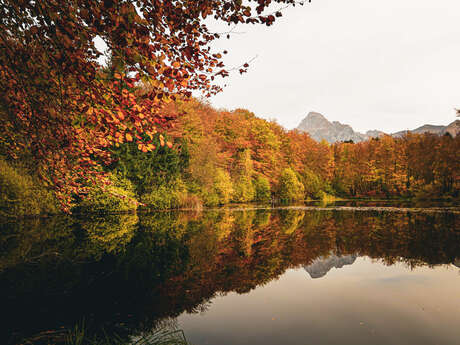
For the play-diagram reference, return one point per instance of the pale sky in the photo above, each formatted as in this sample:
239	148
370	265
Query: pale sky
387	65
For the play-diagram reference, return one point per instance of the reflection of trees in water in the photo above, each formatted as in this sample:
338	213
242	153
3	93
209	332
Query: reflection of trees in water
127	273
110	233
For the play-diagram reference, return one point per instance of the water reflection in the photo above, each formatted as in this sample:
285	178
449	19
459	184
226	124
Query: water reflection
320	266
125	274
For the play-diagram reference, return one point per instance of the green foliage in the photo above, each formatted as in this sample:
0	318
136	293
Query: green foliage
210	198
223	186
109	233
244	190
119	196
165	196
290	220
221	191
327	198
243	171
21	194
146	169
312	184
290	188
262	189
340	187
172	196
160	198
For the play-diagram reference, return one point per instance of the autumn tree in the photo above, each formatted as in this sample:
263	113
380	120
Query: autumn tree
290	188
262	189
243	187
63	110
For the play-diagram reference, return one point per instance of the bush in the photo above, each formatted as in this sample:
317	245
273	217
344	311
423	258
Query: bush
290	188
244	190
23	195
192	201
116	197
262	189
158	199
210	198
172	196
327	198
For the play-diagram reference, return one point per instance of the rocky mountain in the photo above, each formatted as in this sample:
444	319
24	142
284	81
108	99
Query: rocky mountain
453	129
320	128
320	266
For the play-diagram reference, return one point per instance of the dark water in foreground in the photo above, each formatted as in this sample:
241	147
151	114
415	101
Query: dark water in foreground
290	276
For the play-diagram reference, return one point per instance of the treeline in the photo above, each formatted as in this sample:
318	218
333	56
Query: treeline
213	157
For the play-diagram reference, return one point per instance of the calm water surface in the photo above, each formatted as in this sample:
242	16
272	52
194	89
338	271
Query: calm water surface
286	276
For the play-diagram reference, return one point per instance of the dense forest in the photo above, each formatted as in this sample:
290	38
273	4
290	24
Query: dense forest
214	157
78	134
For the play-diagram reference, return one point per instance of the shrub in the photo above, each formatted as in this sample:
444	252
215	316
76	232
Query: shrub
172	196
210	198
116	197
23	195
192	201
159	198
327	198
262	189
290	188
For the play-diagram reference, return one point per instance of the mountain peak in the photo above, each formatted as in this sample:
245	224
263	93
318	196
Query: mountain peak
320	128
314	115
314	119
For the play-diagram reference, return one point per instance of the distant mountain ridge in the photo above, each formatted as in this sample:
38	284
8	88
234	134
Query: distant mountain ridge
453	129
320	128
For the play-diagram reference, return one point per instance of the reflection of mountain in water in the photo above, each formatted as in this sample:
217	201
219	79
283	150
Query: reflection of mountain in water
322	265
133	271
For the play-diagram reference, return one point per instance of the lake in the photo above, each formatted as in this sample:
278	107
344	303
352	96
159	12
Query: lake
353	273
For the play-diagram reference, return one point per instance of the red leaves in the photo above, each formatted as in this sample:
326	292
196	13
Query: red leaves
62	101
188	52
170	84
